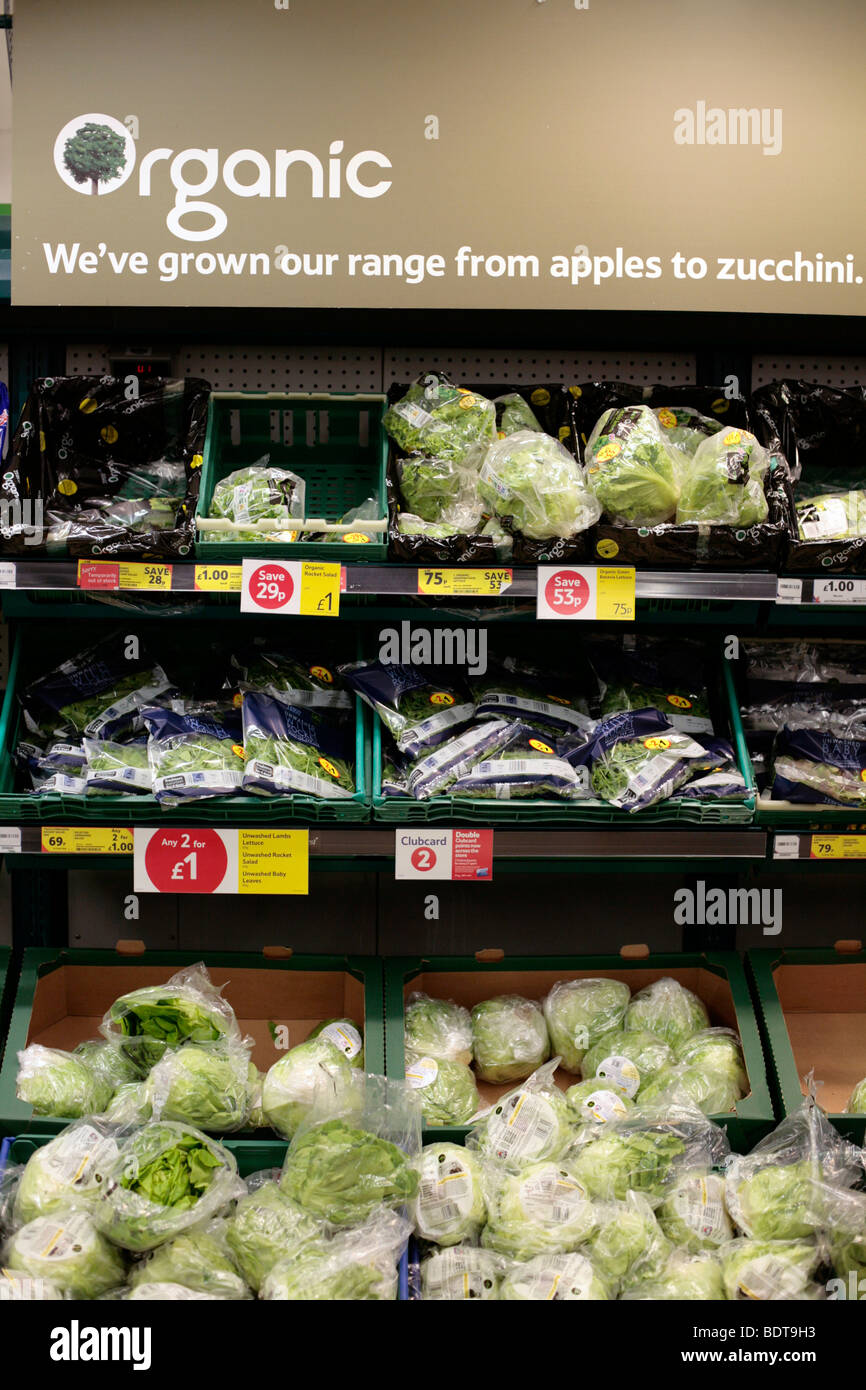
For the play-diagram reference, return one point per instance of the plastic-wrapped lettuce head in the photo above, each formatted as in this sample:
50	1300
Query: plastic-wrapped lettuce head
436	417
202	1086
694	1215
340	1173
347	1037
256	1081
509	1038
187	1008
440	490
724	482
631	469
70	1170
646	1151
844	1231
513	414
447	1090
198	1259
716	1050
173	1293
580	1012
770	1270
264	1227
530	1123
166	1178
594	1103
449	1206
568	1278
462	1272
626	1061
312	1075
857	1099
533	480
685	1277
437	1028
108	1060
68	1250
628	1245
130	1104
685	428
713	1092
770	1200
538	1209
59	1083
667	1009
360	1264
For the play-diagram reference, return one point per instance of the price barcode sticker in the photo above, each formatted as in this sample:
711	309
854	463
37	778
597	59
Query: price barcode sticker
8	574
86	839
218	578
838	847
839	590
786	846
471	581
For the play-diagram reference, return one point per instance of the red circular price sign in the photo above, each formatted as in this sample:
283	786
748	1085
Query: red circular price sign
423	859
186	861
271	586
566	592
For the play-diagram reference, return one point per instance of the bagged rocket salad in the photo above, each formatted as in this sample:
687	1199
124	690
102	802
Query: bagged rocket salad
100	692
120	767
292	750
549	706
815	765
194	751
435	772
260	492
420	706
293	679
527	766
637	759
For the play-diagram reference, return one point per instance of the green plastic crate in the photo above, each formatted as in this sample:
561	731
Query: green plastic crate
796	817
812	1012
56	808
336	443
468	979
332	985
462	810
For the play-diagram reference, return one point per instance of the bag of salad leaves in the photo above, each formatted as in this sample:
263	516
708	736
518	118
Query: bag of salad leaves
194	750
420	706
291	750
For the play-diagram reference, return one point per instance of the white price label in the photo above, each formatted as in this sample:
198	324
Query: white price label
464	856
786	846
10	839
839	590
8	578
789	591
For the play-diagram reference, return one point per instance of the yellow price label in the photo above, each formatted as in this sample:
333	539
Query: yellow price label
115	574
320	590
615	594
274	861
144	576
217	578
838	847
86	839
478	582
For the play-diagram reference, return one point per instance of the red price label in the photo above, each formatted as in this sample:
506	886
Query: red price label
567	591
271	586
186	861
423	860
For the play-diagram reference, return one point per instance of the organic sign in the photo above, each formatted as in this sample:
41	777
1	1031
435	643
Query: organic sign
601	154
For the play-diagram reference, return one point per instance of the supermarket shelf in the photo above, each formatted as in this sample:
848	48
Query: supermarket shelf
396	580
356	842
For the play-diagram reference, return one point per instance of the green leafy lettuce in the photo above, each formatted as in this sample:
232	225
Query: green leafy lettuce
340	1174
535	482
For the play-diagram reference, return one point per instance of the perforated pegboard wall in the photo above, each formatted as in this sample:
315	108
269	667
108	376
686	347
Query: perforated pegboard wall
828	371
235	368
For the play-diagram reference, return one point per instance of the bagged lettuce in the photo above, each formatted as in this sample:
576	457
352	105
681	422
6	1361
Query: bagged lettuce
166	1178
819	765
626	1060
264	1227
101	691
509	1038
59	1083
194	751
346	1036
646	1152
856	1104
628	1246
636	759
289	750
450	762
437	1028
419	706
724	482
68	1251
534	483
360	1264
668	1010
632	469
68	1171
339	1173
551	707
832	516
593	1103
447	1090
685	428
294	679
198	1260
530	1123
537	1209
117	767
441	420
770	1270
187	1008
694	1215
449	1205
440	490
314	1075
686	1277
208	1087
527	766
462	1272
579	1012
570	1278
259	492
514	414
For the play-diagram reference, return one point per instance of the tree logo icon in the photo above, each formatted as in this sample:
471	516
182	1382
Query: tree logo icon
94	154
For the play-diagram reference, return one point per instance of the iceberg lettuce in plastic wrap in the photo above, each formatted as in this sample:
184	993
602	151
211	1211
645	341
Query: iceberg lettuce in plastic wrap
68	1251
534	482
564	1278
449	1205
509	1038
